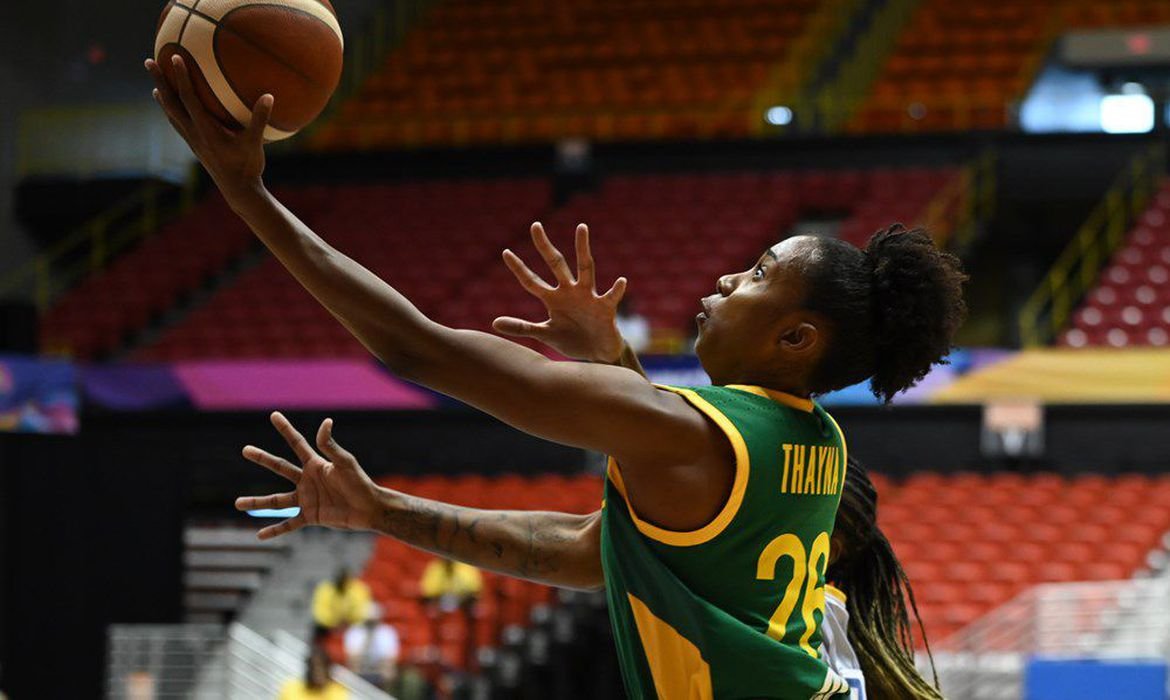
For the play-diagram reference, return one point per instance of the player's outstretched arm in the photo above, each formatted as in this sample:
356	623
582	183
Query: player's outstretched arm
592	406
581	324
332	490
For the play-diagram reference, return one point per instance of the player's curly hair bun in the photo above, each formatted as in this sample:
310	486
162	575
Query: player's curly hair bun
918	306
893	309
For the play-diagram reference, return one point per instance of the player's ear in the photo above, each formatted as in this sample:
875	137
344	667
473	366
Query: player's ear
800	338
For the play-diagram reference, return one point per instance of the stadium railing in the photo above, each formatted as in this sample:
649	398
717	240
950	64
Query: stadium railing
210	661
95	243
955	214
1048	308
1099	620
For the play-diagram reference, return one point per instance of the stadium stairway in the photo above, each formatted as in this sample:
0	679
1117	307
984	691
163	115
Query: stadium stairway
284	601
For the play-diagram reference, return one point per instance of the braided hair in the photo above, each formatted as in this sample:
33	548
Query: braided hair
879	597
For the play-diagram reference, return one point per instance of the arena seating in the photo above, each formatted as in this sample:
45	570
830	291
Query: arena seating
956	66
1117	13
671	234
394	571
1130	305
529	70
960	66
970	542
430	238
95	317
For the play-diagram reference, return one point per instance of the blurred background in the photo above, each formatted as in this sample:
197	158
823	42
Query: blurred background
145	335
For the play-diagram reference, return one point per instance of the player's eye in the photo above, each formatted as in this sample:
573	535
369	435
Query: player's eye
758	273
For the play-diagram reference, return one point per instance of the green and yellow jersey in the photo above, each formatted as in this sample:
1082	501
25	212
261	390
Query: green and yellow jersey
733	609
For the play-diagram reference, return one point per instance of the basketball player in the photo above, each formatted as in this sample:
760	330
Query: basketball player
582	325
714	533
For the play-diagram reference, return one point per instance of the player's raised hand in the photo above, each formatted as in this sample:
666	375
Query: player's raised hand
234	159
581	323
333	492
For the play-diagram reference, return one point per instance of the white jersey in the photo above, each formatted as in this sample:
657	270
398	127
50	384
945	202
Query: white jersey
838	652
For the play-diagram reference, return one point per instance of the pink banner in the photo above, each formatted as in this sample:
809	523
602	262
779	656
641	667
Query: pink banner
297	384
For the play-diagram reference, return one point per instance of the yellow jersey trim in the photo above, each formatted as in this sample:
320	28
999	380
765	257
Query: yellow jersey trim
677	666
844	450
779	397
835	592
717	525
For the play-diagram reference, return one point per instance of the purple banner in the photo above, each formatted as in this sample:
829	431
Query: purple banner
297	384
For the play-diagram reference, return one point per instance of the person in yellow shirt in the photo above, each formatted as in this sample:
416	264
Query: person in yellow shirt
317	684
339	603
450	584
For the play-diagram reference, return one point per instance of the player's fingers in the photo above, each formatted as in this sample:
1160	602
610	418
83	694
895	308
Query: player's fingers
300	446
165	95
191	103
261	114
585	265
617	291
529	280
272	463
282	528
276	500
519	328
552	257
328	444
180	128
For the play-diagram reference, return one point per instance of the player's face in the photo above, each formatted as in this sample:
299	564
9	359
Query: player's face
742	324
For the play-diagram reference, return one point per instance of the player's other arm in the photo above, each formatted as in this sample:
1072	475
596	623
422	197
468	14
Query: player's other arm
332	490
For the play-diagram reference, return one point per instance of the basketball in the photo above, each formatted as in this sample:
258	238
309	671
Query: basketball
238	50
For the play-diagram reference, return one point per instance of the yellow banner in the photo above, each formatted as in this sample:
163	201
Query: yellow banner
1066	375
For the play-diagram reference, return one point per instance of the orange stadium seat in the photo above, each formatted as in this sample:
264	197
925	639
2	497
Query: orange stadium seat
528	70
1045	529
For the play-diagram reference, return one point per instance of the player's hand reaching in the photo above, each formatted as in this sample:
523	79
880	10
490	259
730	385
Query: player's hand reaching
234	159
581	323
333	492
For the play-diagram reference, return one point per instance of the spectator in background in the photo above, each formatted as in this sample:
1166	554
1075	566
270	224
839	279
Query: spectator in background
339	603
371	649
633	326
449	584
318	683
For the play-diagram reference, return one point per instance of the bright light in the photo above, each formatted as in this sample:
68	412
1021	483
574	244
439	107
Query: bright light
1127	114
778	115
275	512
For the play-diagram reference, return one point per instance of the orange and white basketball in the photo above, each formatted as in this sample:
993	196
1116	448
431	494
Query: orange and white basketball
238	50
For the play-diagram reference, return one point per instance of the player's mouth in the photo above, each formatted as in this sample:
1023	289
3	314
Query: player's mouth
703	315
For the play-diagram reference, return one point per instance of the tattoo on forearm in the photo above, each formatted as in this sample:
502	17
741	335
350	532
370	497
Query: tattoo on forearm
533	545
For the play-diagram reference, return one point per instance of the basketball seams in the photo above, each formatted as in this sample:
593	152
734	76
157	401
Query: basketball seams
187	19
215	10
295	70
197	34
